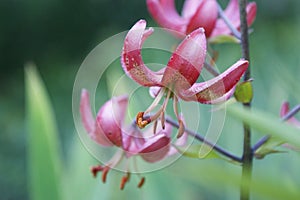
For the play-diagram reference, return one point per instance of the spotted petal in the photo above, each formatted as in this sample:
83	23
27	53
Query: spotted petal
185	64
212	90
131	58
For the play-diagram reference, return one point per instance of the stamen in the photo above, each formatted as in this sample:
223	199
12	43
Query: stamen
124	180
156	101
141	183
96	169
181	128
154	127
142	122
104	173
175	106
162	120
112	163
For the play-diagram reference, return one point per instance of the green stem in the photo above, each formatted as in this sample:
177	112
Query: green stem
247	157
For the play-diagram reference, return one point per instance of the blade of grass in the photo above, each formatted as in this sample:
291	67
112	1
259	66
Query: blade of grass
44	164
266	124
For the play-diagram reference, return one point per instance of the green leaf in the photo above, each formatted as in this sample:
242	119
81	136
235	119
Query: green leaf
243	92
223	39
44	164
268	147
266	123
214	176
194	151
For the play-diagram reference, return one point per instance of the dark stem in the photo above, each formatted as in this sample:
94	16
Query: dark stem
286	117
201	139
247	151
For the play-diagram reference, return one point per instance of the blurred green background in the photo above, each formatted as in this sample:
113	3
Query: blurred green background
57	35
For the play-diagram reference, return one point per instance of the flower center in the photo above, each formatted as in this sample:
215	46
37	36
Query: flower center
143	119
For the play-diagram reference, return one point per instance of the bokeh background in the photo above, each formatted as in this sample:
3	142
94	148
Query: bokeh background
58	34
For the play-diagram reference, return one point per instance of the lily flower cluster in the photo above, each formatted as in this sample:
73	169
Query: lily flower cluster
176	81
199	13
109	130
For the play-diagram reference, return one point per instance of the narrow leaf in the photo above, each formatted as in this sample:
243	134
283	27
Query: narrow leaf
44	164
268	147
266	124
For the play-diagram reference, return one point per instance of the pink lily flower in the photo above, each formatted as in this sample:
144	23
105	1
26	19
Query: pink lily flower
108	130
196	14
178	78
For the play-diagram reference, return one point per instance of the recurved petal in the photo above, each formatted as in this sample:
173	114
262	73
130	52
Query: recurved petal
89	121
110	118
131	58
210	91
156	147
166	15
223	98
251	12
186	62
86	112
205	16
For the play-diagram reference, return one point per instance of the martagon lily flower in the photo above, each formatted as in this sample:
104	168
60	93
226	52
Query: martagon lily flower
198	13
109	130
178	78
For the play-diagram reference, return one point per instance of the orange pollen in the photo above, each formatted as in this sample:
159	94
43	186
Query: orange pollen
140	121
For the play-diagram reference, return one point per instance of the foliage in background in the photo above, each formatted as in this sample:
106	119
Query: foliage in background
51	177
58	34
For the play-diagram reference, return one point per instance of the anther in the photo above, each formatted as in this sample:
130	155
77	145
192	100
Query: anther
124	180
154	127
96	169
104	173
140	121
141	183
162	120
181	129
